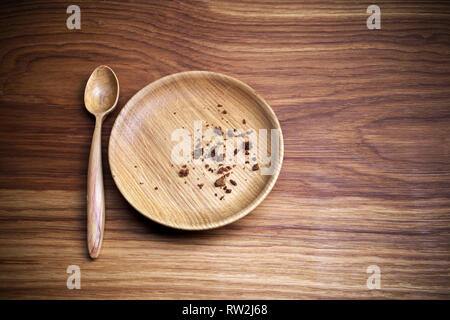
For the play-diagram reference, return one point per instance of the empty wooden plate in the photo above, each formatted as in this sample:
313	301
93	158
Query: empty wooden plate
141	150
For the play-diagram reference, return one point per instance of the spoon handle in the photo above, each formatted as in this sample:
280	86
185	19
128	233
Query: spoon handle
95	193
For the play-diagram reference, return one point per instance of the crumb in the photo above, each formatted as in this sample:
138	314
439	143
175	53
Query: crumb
255	167
220	182
206	166
215	194
174	113
183	166
247	145
200	185
228	191
156	188
219	106
135	166
224	112
183	173
185	182
233	182
221	198
243	121
141	183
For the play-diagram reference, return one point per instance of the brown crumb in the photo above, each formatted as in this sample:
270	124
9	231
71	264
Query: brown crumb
224	112
243	121
219	106
221	198
233	182
220	182
247	145
174	113
183	166
255	167
183	173
156	188
228	191
141	183
200	185
215	194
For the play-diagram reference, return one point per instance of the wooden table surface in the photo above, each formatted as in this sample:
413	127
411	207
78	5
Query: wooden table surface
366	176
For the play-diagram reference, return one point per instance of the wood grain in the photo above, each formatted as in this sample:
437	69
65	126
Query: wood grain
366	175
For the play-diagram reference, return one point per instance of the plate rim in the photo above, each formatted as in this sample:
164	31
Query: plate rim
239	214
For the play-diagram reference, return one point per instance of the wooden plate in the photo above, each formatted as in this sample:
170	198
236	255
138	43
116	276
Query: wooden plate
141	150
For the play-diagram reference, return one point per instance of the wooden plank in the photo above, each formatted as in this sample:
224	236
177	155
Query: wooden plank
365	181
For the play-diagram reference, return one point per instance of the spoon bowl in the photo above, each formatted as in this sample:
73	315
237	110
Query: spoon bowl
102	91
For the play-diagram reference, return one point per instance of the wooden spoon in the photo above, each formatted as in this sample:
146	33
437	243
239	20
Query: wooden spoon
100	98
